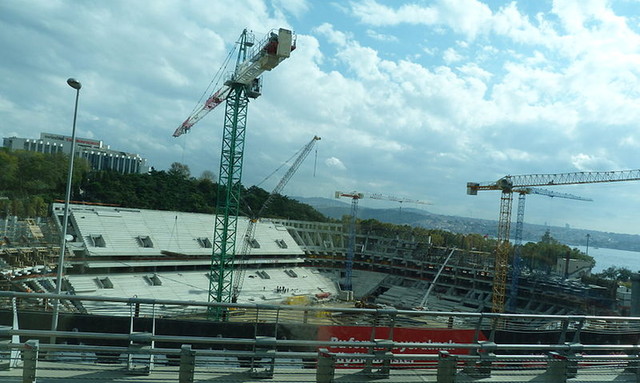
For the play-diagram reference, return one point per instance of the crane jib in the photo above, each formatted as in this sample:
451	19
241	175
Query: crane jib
555	179
271	51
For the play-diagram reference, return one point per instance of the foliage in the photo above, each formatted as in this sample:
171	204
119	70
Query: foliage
621	274
31	181
436	237
544	255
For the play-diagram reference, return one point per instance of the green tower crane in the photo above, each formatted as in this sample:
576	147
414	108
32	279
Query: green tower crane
244	83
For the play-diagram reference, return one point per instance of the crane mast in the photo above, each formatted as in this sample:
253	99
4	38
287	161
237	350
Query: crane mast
517	242
351	244
244	83
507	185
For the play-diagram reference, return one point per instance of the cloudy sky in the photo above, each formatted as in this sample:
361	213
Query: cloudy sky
411	99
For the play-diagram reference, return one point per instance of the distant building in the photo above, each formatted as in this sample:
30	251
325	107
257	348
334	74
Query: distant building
576	267
99	155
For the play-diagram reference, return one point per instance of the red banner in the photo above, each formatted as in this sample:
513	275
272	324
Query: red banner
426	336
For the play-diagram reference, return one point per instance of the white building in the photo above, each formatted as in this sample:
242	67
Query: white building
99	155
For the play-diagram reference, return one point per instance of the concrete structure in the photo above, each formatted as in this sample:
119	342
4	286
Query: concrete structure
155	251
99	155
572	268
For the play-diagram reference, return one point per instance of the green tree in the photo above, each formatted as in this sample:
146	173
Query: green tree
179	170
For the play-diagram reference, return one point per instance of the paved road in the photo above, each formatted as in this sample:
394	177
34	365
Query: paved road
50	372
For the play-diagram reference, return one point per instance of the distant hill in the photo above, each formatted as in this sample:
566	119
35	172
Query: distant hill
334	208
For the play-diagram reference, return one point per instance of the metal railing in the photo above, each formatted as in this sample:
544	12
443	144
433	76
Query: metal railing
583	345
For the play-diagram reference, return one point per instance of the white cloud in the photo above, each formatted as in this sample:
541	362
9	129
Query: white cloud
519	92
380	36
334	162
451	56
469	17
590	162
295	7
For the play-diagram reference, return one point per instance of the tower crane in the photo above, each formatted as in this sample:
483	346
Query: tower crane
244	83
351	245
400	200
251	226
517	242
506	185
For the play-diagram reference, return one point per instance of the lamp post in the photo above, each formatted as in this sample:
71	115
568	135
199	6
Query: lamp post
56	306
587	251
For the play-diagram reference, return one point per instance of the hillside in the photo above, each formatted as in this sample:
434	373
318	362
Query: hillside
421	218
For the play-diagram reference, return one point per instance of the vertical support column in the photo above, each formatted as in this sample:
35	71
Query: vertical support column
326	366
383	356
557	367
512	302
264	357
484	366
447	367
635	295
30	356
139	353
187	364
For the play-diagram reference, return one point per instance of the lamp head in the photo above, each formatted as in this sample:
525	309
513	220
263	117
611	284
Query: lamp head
75	84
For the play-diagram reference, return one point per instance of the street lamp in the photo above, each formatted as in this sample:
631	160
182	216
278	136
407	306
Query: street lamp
587	251
56	306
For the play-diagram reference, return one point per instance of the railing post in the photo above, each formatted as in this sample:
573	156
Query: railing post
633	366
447	367
30	356
264	349
139	356
326	366
572	359
5	343
383	355
483	367
187	364
557	367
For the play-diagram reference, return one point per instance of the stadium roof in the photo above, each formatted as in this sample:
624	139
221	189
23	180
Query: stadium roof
115	231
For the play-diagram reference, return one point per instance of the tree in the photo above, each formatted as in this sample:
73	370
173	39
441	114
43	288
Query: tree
621	274
179	170
544	255
208	175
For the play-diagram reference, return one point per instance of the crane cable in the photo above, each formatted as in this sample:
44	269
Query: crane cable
213	84
296	154
215	81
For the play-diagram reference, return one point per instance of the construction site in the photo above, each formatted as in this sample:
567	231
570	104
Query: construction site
91	268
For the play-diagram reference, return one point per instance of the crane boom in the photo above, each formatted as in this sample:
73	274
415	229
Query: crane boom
554	180
550	193
287	176
257	59
210	104
397	199
251	226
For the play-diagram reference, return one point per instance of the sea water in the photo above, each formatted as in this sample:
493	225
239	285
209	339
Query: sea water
606	258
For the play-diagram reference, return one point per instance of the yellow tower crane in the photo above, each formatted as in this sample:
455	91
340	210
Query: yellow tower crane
510	184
